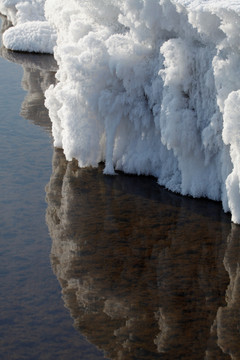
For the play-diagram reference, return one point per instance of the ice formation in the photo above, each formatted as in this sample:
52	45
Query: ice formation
148	86
31	31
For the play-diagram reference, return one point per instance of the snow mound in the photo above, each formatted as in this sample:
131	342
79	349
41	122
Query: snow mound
31	32
33	36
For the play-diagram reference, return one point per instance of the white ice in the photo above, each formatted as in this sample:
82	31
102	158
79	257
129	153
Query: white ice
148	86
31	32
33	36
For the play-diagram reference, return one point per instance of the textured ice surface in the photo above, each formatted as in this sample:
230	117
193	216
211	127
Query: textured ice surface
148	86
33	36
31	31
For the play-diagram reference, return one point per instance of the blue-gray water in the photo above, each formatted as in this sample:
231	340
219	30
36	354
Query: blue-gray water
34	323
138	271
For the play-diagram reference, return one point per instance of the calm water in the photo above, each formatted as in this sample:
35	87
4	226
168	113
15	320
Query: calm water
94	265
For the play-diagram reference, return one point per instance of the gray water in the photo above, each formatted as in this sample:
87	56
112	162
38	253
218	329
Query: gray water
92	264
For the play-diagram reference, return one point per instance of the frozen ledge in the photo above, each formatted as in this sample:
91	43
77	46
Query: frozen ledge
33	36
148	86
31	32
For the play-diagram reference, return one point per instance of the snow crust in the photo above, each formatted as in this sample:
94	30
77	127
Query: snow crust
148	86
31	31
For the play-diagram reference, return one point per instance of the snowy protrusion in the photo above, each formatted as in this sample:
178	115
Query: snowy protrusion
148	86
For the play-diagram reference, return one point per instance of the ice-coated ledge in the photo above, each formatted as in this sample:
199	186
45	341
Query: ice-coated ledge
33	36
31	31
148	86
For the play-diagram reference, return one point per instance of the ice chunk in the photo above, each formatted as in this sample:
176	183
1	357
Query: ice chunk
33	36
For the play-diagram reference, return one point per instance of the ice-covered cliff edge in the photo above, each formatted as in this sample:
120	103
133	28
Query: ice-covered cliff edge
148	86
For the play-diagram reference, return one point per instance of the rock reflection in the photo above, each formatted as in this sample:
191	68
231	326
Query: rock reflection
36	80
38	74
5	24
228	319
141	269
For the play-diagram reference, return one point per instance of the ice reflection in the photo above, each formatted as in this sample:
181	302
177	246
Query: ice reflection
38	74
228	319
144	273
5	24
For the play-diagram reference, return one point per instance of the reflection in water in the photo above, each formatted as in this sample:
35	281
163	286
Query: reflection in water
36	80
38	74
228	319
143	272
5	24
